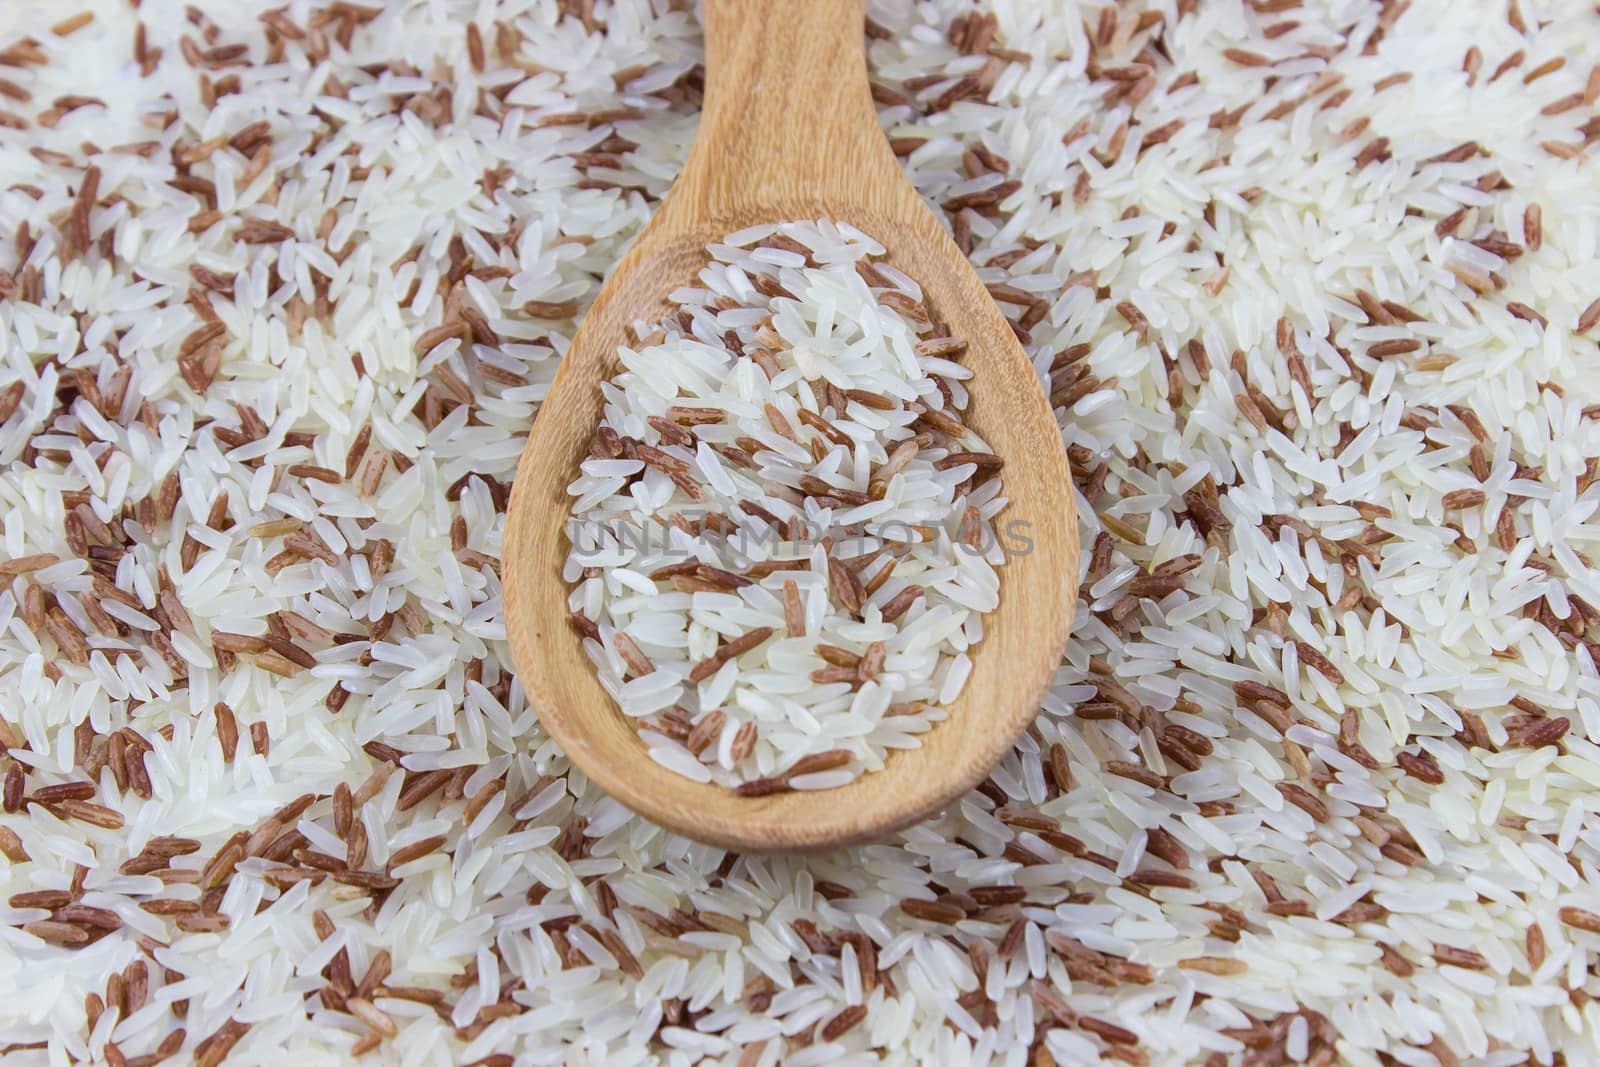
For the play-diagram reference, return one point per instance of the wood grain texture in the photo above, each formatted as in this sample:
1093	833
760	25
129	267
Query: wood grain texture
789	132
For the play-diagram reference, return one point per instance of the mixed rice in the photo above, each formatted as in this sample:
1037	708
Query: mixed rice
1314	286
782	538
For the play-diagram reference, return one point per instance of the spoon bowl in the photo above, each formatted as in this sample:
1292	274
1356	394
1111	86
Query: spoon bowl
789	132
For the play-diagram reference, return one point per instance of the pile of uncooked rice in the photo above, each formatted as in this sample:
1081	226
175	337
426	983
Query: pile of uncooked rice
1313	287
784	453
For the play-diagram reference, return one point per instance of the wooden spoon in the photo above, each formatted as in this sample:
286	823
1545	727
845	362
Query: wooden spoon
789	132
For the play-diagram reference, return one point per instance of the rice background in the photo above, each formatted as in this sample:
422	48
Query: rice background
1327	797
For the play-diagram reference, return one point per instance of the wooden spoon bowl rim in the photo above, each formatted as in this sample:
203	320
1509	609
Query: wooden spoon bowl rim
1024	635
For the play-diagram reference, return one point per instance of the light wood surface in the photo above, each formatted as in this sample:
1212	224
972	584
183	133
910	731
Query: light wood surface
789	132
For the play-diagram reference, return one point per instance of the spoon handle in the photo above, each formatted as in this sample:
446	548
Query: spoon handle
788	115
